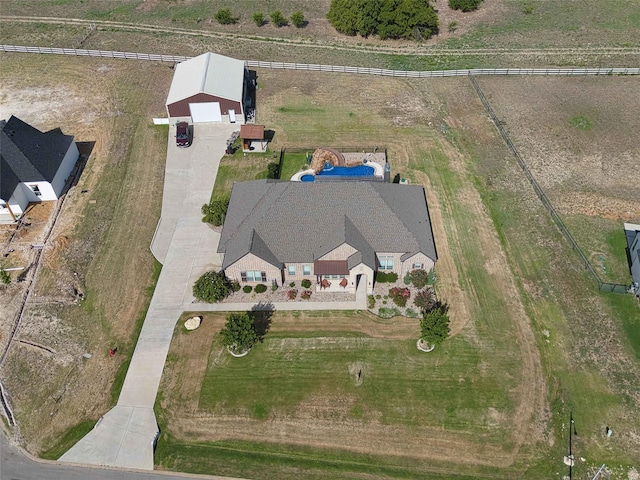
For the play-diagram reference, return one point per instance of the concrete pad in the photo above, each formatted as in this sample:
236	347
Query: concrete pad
123	437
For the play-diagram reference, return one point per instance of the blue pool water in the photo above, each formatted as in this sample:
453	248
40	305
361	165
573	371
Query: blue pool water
357	171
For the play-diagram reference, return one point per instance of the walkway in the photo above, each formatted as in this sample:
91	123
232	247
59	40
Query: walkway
125	436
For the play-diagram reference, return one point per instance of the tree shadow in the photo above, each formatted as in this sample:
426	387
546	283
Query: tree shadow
261	314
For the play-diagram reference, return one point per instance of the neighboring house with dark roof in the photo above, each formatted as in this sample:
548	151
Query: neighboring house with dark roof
336	234
632	233
34	166
209	88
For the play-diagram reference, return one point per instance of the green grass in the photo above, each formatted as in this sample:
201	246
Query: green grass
293	163
238	168
401	385
68	440
581	122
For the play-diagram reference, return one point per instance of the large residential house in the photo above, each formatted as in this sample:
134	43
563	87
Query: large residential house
34	166
336	234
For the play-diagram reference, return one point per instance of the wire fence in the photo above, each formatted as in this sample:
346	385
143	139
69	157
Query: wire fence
331	68
610	287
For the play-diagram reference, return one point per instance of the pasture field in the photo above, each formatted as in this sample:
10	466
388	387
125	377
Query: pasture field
533	339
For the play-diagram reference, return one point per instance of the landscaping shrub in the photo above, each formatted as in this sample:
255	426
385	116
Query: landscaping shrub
419	278
212	287
292	294
298	19
465	5
410	312
382	277
258	19
392	277
272	170
407	279
372	301
400	295
388	312
274	286
306	283
278	19
378	296
247	289
235	286
306	294
224	17
215	211
292	284
425	299
261	288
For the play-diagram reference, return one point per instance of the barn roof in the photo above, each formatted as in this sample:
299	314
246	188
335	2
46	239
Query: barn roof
208	73
29	155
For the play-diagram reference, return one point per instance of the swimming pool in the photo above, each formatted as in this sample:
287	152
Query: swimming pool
329	170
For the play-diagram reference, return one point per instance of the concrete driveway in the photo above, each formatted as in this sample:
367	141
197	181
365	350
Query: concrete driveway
125	436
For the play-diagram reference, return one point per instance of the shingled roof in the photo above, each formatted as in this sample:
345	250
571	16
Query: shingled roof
301	222
29	155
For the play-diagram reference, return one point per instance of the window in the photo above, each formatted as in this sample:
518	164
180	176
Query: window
334	276
36	190
417	266
292	269
386	262
253	276
306	270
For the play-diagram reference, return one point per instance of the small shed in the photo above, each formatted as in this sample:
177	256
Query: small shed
253	138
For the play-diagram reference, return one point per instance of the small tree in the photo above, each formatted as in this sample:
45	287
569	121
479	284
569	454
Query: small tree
425	299
215	211
212	287
239	333
298	19
434	325
4	276
258	19
224	17
278	19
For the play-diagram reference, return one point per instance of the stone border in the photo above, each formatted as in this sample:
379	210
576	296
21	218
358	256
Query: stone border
422	349
238	355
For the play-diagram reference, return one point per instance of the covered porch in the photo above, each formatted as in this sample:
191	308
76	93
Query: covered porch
332	276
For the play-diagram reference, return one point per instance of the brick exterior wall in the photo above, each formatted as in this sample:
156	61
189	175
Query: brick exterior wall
343	252
407	265
252	263
299	273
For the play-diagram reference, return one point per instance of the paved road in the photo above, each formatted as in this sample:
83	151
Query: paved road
124	436
16	465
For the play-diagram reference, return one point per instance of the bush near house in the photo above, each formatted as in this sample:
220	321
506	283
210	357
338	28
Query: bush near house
215	211
306	295
261	288
425	299
212	287
247	289
371	301
306	283
385	312
273	170
382	277
400	295
292	294
419	278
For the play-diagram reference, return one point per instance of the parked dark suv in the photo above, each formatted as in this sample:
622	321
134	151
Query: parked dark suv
183	139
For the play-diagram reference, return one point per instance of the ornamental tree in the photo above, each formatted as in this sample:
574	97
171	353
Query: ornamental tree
215	211
239	332
434	325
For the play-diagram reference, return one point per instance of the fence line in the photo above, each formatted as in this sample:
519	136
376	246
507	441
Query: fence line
332	68
611	287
